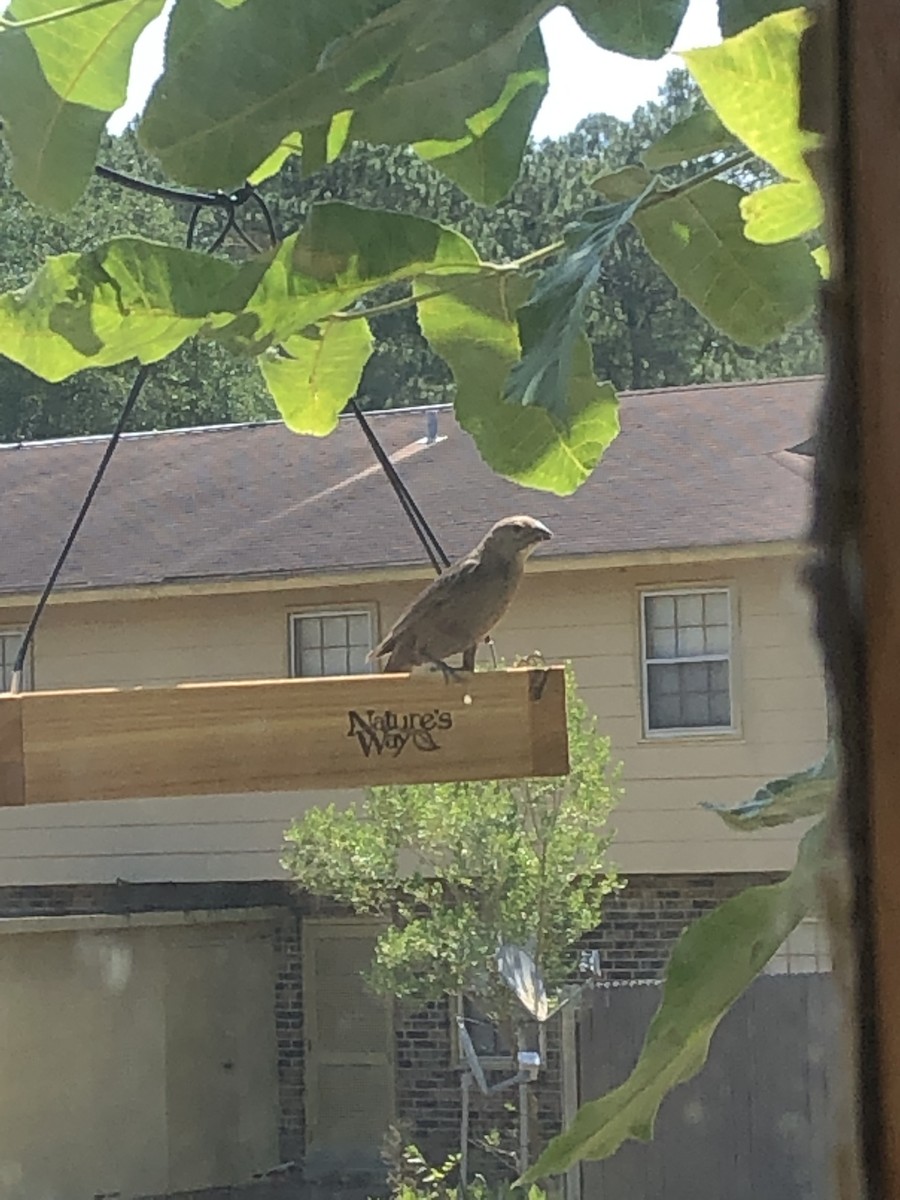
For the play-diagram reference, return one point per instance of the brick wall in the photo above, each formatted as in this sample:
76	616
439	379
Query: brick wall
640	926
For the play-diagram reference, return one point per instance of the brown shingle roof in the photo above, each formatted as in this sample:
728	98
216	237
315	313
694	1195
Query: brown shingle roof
693	467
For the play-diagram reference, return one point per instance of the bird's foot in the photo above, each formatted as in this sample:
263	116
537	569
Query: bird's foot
450	674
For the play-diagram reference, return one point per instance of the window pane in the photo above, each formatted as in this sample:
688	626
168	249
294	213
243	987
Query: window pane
690	641
310	662
664	711
666	679
717	639
334	631
694	677
660	612
720	708
660	643
695	710
334	661
715	608
357	660
359	629
689	610
718	676
688	696
310	631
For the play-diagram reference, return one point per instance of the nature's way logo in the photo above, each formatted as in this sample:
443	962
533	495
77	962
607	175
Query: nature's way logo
390	732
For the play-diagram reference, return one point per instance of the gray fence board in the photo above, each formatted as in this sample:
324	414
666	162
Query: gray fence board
755	1124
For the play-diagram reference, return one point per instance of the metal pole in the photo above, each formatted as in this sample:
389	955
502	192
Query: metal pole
523	1112
466	1085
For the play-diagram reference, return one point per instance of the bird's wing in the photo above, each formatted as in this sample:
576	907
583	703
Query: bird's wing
438	593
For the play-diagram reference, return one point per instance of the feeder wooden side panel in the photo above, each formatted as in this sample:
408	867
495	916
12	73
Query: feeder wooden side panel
285	735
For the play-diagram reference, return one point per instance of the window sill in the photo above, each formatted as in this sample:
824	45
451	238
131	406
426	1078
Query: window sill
665	737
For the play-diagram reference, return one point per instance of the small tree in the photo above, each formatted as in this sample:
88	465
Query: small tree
458	869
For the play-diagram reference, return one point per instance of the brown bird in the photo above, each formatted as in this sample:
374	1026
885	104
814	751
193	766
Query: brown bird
460	608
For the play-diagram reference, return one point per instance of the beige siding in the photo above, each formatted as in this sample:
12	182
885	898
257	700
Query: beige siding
590	617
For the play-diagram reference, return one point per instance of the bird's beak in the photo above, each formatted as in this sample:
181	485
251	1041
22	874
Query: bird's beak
542	533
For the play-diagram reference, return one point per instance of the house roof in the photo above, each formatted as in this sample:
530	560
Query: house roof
706	466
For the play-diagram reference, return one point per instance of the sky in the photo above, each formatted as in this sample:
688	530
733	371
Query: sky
583	78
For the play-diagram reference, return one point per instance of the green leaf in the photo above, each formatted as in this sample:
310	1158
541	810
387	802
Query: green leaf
289	145
86	58
699	134
473	330
454	63
53	144
624	184
782	211
238	81
638	28
751	292
486	163
316	373
550	322
127	299
714	961
341	253
781	801
752	82
737	15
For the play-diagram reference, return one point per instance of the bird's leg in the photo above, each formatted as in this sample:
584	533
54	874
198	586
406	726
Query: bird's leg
468	658
489	641
449	673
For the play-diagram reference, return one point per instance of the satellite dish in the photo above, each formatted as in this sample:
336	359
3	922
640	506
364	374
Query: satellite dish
471	1056
519	972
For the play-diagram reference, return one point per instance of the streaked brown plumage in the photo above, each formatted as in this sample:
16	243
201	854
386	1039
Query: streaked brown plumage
460	608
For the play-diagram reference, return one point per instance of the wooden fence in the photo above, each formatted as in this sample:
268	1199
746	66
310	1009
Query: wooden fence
755	1124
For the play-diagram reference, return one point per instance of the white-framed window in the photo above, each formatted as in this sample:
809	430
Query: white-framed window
805	951
686	648
10	641
331	642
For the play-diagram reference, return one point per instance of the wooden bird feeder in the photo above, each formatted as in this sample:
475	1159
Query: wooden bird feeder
280	735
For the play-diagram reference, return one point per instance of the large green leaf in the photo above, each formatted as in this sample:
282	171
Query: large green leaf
714	961
737	15
86	58
453	65
550	323
238	81
341	253
53	144
699	134
753	293
781	801
639	28
485	164
316	372
127	299
474	331
752	82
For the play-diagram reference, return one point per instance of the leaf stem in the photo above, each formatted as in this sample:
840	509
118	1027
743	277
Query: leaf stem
46	18
680	189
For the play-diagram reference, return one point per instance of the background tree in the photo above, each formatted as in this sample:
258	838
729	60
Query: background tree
459	869
642	333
